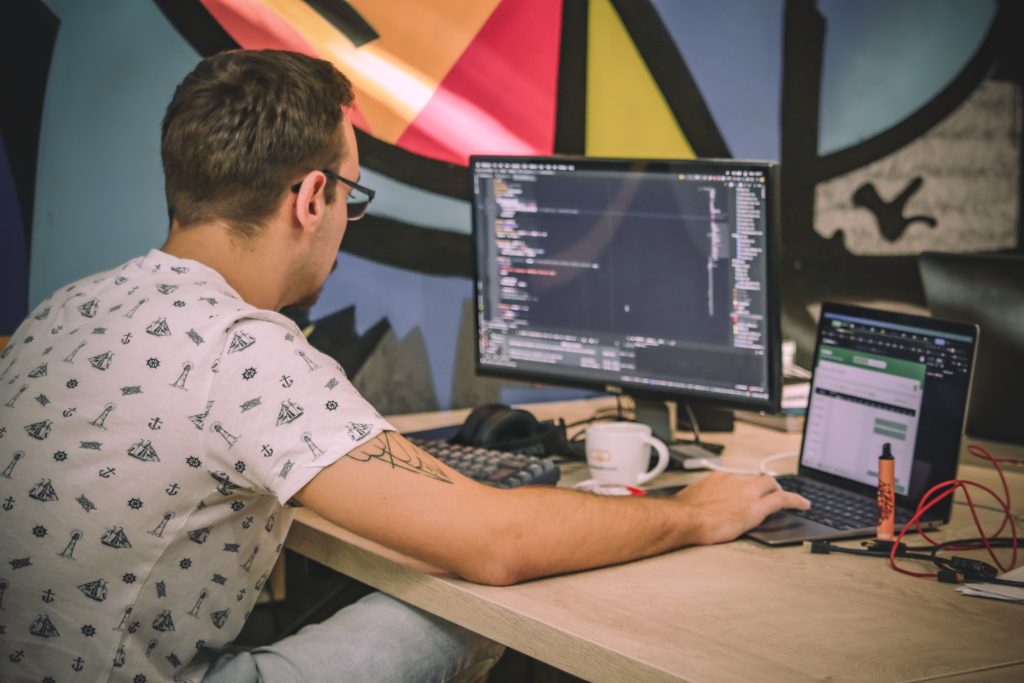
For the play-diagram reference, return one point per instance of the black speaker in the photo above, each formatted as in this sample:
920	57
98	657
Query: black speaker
504	428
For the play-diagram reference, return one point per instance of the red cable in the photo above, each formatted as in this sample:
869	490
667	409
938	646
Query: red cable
950	487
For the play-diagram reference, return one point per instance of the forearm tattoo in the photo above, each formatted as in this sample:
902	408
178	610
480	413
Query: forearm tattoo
400	455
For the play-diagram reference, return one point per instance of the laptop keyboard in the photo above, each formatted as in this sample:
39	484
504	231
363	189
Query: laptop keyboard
835	507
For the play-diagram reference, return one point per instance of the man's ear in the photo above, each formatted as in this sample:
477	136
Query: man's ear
310	201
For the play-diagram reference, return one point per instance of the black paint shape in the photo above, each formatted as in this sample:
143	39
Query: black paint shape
571	110
891	221
346	19
336	336
669	70
196	25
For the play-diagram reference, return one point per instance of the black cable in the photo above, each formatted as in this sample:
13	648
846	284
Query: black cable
951	570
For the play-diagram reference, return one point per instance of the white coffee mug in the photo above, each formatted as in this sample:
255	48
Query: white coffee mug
619	452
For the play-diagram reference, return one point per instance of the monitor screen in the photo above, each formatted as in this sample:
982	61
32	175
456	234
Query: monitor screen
648	277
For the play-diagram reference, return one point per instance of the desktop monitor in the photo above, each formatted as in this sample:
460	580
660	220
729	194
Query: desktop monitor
652	278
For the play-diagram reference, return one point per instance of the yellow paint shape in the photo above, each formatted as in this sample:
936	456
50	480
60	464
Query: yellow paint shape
396	75
627	115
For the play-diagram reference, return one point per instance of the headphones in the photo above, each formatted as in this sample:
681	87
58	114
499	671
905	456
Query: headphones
504	428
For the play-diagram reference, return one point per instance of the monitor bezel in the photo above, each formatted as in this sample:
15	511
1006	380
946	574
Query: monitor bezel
772	243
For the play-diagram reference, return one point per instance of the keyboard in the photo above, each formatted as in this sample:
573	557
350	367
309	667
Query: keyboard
495	468
837	508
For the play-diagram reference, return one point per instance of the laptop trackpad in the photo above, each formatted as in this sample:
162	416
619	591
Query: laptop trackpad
785	527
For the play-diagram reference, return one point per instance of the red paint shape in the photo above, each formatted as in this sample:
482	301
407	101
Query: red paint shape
500	96
256	27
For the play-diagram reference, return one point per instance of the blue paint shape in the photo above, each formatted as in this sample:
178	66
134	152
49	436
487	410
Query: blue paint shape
733	49
100	188
408	300
884	60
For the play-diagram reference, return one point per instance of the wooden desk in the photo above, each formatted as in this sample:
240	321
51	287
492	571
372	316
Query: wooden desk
735	612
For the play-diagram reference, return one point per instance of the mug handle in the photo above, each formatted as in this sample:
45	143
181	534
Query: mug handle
659	446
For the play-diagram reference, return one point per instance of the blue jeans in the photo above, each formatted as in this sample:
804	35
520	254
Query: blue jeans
376	638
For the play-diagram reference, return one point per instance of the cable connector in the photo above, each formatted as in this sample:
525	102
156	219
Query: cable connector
820	547
974	569
879	546
950	576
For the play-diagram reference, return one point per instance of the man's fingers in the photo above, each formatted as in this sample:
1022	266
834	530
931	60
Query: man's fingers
767	484
780	500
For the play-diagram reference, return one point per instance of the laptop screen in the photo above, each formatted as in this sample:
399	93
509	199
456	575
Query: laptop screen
880	378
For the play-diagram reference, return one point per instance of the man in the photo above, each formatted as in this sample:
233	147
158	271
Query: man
159	419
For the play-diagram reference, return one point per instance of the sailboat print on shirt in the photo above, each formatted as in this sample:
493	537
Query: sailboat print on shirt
97	590
43	627
143	450
115	537
44	491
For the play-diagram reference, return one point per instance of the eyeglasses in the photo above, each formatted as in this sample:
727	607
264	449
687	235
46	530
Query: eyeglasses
358	200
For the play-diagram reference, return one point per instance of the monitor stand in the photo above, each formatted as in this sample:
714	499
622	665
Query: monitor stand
661	417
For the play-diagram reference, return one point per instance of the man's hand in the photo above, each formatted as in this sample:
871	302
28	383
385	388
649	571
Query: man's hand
729	505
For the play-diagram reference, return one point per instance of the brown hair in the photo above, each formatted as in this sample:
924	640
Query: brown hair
242	126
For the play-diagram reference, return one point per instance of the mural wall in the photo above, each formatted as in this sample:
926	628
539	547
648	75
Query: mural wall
897	124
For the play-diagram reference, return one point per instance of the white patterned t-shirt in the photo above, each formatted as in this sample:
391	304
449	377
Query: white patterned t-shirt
153	427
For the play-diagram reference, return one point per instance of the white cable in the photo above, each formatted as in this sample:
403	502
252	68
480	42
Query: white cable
762	466
707	464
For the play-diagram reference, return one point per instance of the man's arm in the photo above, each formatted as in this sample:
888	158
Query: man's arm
391	492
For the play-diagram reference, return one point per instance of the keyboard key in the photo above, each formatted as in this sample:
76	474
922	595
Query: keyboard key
500	469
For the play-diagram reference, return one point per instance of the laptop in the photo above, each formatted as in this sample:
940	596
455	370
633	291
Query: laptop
879	378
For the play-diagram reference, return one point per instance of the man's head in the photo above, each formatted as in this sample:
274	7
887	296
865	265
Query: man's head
242	127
